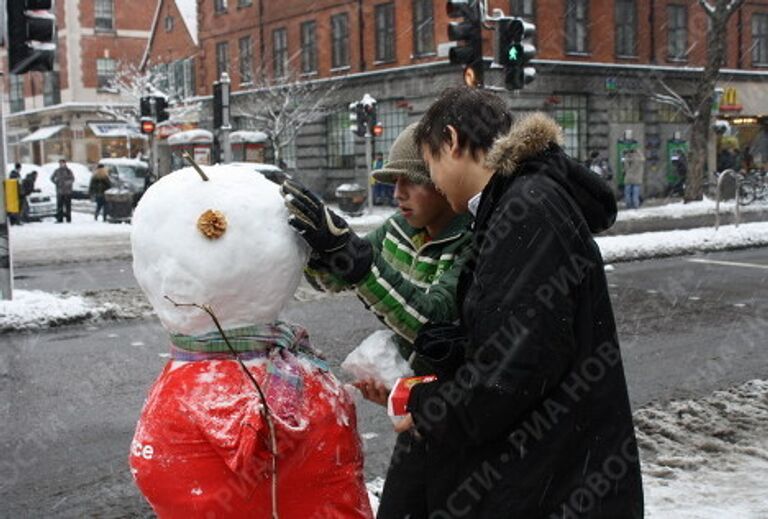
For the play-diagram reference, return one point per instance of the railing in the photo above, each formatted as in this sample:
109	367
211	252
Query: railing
737	177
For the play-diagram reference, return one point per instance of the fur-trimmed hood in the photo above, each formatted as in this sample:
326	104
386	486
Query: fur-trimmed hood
532	148
528	137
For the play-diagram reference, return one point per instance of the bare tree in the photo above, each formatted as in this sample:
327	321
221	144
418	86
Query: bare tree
281	107
132	83
699	110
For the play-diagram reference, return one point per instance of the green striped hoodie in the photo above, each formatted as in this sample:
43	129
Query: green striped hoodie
412	281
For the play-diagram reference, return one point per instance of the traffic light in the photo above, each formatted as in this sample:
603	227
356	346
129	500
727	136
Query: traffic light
514	51
468	33
357	119
147	125
31	36
161	109
371	115
160	112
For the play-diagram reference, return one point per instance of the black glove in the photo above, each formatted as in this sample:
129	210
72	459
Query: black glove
443	345
347	255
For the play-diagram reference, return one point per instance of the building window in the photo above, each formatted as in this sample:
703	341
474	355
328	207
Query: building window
219	6
668	113
244	3
16	94
385	32
576	19
222	58
159	77
105	72
626	27
523	9
677	32
279	52
394	120
189	78
340	141
423	28
246	59
571	115
51	90
340	41
308	47
168	23
760	39
104	12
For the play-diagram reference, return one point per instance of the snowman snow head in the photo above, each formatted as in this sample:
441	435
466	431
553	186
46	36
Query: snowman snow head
222	242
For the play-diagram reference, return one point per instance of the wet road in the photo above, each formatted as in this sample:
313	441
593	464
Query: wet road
70	397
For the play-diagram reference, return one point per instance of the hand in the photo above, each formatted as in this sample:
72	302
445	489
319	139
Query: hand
406	424
373	390
320	227
348	256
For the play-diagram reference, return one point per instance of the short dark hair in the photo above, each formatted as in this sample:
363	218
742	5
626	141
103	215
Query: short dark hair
479	117
17	165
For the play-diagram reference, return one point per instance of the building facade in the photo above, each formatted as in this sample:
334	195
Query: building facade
601	65
67	113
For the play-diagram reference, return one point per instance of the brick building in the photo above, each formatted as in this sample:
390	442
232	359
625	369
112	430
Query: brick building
599	64
59	114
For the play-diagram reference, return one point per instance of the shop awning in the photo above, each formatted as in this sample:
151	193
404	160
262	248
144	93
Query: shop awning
247	137
114	129
46	132
198	136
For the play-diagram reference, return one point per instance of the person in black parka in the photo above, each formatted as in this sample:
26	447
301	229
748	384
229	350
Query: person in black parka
533	419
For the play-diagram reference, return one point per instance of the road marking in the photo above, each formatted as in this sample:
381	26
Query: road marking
729	263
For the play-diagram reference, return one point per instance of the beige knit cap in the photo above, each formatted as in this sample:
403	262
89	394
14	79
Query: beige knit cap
404	159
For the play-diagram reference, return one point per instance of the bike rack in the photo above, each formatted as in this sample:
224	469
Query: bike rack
737	176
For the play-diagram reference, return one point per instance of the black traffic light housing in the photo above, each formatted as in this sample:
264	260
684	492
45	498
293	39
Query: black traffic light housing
514	51
31	36
468	32
160	112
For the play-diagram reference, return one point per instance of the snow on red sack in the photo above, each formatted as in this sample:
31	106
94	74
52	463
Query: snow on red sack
201	447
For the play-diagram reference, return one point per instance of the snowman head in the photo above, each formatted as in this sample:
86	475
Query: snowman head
224	242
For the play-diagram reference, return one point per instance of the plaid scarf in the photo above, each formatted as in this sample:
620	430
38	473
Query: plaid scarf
249	342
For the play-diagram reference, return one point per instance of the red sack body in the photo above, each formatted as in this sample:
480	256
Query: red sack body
201	447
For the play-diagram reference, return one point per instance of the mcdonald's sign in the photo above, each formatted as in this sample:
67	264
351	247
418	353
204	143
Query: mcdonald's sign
730	101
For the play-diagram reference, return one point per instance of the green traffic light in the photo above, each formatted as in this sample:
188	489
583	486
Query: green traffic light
513	53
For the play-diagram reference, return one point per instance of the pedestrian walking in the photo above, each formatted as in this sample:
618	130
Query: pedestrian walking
634	172
537	411
99	184
64	179
405	272
27	188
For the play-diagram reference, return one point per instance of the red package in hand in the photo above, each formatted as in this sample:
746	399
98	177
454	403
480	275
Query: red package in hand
397	404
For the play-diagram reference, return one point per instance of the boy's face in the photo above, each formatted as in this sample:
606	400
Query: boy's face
446	170
420	204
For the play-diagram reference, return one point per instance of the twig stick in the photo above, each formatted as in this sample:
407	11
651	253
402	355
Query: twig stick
265	411
199	170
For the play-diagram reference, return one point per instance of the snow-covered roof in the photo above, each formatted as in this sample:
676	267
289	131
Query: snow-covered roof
43	133
188	10
243	136
124	161
191	136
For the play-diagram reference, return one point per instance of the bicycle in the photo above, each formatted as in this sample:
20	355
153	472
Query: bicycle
754	186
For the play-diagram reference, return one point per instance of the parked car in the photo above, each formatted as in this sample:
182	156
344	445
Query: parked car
128	174
270	171
39	205
81	172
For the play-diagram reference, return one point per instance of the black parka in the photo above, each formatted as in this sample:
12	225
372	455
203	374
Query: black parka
537	421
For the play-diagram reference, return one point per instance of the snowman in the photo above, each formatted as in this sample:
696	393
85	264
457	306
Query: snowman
245	420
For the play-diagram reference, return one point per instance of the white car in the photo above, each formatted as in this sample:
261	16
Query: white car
82	178
39	205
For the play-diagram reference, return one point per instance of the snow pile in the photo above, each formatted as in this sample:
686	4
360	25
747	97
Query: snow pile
707	458
375	488
678	210
377	357
674	243
246	269
34	309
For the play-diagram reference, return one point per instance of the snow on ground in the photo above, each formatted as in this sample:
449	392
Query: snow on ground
678	209
707	458
34	309
674	243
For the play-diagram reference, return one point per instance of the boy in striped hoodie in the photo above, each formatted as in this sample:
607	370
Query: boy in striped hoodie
405	271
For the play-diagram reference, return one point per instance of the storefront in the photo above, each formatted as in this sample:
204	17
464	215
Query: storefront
248	146
49	144
198	143
112	139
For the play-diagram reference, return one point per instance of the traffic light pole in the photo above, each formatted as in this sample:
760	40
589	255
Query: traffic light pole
6	263
369	166
154	149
